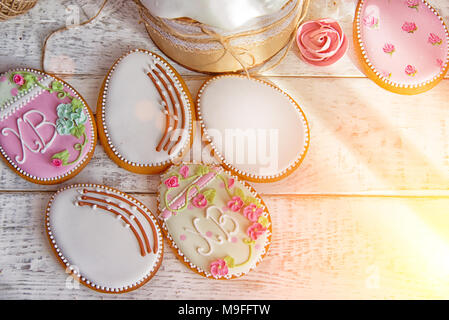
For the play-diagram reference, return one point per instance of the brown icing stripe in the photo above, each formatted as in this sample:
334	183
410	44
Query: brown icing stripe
175	110
153	228
86	203
167	114
183	115
147	243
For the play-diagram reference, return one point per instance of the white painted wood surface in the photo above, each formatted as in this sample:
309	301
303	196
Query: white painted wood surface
365	216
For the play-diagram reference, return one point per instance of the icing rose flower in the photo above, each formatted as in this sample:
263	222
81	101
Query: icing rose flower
199	201
434	39
410	70
235	204
413	4
184	171
321	42
255	230
18	79
389	48
252	212
218	268
371	21
172	182
409	27
56	162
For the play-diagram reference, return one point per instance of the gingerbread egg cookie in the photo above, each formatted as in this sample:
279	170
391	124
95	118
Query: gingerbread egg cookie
47	132
145	113
255	129
106	239
403	44
217	225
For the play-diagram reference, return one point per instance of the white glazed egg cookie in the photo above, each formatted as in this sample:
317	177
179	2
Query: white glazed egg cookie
145	113
255	129
107	239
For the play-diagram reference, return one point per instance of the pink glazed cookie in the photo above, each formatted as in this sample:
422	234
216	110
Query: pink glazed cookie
403	44
47	132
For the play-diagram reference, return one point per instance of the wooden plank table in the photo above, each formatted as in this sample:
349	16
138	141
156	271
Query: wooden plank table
364	217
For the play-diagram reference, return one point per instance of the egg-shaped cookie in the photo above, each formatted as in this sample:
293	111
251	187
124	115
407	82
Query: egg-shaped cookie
47	130
145	113
216	224
255	129
402	44
106	239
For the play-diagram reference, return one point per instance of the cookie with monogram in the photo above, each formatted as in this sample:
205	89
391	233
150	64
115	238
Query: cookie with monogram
403	44
47	132
216	224
106	239
145	113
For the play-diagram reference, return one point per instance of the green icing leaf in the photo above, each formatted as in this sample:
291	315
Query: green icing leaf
63	156
229	261
210	195
238	192
57	86
252	200
202	170
78	131
76	104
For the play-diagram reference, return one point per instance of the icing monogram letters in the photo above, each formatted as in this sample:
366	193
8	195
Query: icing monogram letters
40	145
220	223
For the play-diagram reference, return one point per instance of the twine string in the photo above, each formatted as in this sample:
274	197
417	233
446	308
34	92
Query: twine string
44	47
235	51
225	41
303	15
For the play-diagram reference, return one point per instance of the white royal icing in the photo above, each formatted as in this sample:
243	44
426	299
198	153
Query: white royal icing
228	15
255	128
100	244
134	113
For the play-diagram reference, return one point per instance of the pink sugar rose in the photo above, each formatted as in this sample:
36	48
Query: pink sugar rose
413	4
252	212
410	70
235	204
218	268
18	79
371	21
389	48
199	201
434	39
56	162
184	171
255	230
172	182
321	42
409	27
